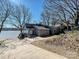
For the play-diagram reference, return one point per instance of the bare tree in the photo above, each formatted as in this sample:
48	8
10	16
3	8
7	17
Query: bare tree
45	17
63	9
5	11
49	14
21	15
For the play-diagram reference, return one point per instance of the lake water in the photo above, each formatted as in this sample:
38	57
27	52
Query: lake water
9	34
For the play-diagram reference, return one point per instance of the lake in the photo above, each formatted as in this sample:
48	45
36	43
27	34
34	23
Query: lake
9	34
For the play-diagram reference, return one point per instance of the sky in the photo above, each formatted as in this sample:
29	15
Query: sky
35	6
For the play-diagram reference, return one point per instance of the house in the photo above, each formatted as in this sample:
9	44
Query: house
43	30
37	30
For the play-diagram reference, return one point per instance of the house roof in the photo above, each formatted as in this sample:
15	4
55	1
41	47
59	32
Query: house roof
41	28
30	25
33	25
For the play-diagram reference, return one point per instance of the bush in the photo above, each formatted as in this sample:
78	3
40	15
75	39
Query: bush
22	36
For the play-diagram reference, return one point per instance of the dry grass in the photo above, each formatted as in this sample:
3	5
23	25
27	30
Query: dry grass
64	44
2	42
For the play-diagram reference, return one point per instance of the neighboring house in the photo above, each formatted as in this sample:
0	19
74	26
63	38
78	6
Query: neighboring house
57	29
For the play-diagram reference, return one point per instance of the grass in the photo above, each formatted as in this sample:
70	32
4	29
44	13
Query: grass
74	33
64	44
2	42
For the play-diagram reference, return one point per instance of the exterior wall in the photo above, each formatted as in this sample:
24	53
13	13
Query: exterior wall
31	32
42	32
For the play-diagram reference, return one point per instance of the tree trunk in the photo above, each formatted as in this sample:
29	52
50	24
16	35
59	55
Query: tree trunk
1	28
2	25
76	22
77	19
21	30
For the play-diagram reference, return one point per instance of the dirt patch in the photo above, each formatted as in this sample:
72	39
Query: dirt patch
64	44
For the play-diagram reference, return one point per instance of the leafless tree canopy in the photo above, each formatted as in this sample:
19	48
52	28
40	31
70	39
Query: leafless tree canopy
61	10
5	11
18	15
21	15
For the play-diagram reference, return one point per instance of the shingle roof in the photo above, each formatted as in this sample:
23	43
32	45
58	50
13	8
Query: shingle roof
33	25
41	28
